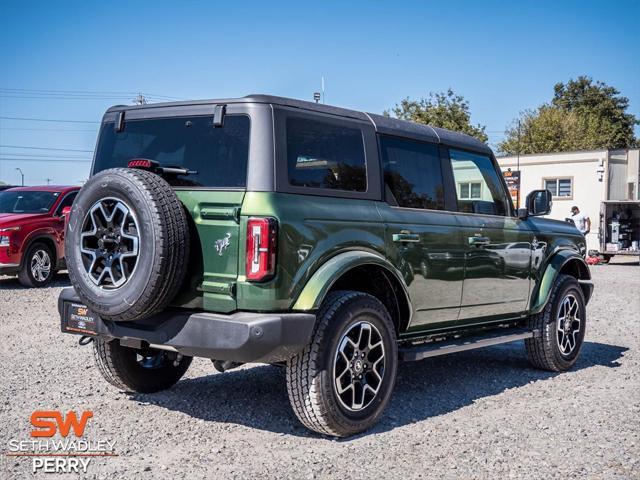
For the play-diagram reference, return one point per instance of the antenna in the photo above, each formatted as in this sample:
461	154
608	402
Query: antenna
323	89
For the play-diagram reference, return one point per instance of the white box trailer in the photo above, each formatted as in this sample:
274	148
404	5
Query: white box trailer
619	228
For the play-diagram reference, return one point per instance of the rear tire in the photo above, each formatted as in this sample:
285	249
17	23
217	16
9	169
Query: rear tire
38	266
140	371
560	327
343	379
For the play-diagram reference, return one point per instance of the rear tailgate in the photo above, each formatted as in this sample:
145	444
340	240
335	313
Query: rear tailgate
216	217
206	163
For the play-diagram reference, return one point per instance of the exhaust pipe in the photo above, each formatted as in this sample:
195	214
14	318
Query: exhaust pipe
224	365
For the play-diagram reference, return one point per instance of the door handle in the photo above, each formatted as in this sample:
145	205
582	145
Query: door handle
478	240
405	236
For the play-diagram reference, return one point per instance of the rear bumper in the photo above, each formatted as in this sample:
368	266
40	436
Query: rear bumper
239	337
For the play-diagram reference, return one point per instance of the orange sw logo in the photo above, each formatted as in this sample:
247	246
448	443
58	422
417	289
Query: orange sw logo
48	422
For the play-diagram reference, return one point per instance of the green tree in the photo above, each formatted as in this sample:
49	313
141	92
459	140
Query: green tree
440	109
583	115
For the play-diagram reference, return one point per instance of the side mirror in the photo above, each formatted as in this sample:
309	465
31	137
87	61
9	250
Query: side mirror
538	203
65	212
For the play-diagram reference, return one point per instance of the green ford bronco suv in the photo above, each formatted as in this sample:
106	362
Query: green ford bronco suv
333	242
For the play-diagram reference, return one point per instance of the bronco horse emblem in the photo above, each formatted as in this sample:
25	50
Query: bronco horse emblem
222	244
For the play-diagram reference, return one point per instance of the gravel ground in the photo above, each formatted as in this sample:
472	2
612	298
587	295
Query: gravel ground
479	414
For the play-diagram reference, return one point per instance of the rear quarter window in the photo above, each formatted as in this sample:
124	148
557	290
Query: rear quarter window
325	155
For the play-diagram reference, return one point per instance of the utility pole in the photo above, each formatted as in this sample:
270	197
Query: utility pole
21	174
140	100
518	167
48	180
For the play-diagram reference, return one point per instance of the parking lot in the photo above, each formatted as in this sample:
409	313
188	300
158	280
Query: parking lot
479	414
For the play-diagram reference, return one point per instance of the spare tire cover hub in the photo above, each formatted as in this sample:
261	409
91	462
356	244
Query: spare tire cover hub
110	242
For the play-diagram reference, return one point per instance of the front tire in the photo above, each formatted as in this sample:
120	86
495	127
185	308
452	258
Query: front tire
38	266
139	371
342	381
560	327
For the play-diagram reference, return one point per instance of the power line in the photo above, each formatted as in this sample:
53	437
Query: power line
40	155
46	148
63	97
45	160
47	120
83	92
68	130
85	98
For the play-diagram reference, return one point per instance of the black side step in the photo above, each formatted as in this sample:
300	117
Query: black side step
433	349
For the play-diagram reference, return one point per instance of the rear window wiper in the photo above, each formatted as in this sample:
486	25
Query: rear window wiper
155	167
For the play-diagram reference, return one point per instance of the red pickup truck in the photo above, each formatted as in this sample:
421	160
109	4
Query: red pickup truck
32	224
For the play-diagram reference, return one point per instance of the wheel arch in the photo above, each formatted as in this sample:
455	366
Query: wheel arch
45	238
565	262
360	271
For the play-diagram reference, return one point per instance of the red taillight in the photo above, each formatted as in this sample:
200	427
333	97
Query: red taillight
142	163
262	235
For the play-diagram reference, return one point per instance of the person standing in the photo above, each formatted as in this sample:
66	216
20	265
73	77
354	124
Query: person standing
581	220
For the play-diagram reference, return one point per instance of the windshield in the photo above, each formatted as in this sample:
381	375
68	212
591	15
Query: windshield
27	202
215	156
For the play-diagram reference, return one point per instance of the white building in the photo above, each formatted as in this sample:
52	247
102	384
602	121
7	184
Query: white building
579	178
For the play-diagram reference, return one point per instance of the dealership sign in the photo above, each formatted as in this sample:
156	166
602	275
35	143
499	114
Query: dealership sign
70	453
512	178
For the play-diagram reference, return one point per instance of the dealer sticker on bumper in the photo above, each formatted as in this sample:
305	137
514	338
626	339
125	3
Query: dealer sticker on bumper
78	318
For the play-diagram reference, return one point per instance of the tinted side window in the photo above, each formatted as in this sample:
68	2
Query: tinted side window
478	185
413	173
66	202
324	155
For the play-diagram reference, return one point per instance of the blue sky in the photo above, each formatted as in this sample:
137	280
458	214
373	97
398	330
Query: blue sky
502	56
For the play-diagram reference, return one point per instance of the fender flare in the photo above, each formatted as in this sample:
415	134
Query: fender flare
323	279
541	294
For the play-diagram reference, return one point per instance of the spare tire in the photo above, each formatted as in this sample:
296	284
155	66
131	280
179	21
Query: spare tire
127	244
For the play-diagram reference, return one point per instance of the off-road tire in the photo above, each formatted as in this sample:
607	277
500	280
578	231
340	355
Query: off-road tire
119	367
542	350
163	244
25	275
310	373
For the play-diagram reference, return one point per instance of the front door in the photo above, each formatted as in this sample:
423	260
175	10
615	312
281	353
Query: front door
498	245
423	240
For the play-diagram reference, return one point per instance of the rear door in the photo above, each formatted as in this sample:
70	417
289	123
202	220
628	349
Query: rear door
216	155
423	240
498	245
603	233
213	268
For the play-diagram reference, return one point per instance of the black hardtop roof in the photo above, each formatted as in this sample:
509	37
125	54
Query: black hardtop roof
383	124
